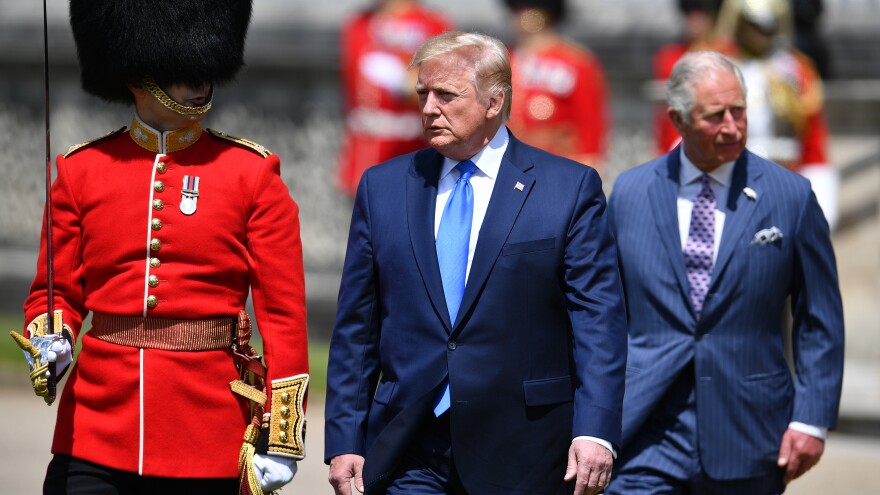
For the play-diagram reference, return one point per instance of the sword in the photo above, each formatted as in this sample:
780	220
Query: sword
44	333
50	286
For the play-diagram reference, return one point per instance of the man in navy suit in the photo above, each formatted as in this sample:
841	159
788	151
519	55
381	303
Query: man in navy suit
713	241
497	369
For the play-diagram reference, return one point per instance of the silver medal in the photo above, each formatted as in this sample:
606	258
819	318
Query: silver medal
189	195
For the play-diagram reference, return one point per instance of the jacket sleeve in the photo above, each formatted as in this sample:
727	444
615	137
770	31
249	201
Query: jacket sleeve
353	368
817	321
68	280
278	289
598	317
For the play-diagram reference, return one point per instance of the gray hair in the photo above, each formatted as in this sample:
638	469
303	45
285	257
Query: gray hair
691	67
492	73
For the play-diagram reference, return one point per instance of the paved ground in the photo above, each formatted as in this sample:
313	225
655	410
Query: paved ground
849	466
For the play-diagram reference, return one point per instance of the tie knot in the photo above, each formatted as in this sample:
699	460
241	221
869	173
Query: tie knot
466	169
706	182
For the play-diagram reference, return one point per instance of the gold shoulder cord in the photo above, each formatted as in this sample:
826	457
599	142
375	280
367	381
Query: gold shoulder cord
245	143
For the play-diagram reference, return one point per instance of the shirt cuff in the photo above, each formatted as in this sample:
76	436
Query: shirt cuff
819	432
601	442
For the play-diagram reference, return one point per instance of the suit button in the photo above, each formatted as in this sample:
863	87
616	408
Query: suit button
159	186
155	245
158	204
161	167
285	412
284	424
282	435
154	262
451	345
156	224
152	302
153	281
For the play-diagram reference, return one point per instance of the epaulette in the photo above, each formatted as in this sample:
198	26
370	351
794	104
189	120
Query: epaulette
79	147
244	143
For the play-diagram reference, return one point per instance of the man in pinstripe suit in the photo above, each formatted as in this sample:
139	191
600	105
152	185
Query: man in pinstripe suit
713	240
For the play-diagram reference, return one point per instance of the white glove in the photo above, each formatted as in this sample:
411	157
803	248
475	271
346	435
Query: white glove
60	353
273	471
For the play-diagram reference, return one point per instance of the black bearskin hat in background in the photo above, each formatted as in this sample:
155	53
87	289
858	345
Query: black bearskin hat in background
174	41
556	8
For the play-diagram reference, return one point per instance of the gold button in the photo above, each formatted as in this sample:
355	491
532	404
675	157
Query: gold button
155	244
159	186
284	424
152	302
161	168
153	281
285	397
285	412
158	204
282	436
156	224
154	262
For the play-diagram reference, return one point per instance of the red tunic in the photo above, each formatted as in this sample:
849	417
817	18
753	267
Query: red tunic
560	100
156	412
382	117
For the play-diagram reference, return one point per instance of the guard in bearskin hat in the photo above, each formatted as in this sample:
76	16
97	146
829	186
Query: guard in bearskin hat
161	229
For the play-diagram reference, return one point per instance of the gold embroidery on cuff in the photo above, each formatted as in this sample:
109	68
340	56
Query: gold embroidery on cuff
287	421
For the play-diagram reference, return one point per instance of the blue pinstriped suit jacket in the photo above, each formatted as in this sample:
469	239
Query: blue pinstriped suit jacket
745	394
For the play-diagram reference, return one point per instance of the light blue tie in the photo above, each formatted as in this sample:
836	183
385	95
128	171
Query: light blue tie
453	239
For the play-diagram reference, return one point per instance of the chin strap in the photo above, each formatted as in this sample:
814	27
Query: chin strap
150	85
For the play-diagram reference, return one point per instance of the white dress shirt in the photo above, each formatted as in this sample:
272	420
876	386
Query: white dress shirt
689	188
488	161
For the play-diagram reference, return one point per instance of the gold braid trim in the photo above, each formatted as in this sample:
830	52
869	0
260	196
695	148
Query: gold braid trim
150	85
81	146
287	421
245	143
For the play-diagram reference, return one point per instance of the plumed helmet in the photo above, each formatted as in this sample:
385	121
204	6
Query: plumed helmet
174	41
556	8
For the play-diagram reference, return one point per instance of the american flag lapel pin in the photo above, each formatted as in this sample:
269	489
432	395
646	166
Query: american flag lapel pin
519	186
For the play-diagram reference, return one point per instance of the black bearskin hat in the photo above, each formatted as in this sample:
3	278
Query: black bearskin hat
556	8
174	41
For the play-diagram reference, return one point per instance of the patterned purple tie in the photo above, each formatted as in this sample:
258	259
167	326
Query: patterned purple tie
699	250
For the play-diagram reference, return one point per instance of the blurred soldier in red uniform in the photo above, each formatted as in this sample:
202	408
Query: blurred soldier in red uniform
699	33
562	98
160	230
785	98
382	117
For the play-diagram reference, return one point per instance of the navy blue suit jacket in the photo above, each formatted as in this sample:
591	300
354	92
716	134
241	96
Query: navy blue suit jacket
745	394
537	353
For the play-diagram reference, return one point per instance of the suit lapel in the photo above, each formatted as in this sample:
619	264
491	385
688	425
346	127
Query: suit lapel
663	195
739	210
504	207
421	202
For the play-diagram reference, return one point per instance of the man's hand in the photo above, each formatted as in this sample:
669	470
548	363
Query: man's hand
799	452
591	464
342	469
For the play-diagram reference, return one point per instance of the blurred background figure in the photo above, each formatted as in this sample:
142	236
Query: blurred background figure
381	112
808	37
785	96
560	101
698	33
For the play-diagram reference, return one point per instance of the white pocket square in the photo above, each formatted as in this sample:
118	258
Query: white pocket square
767	236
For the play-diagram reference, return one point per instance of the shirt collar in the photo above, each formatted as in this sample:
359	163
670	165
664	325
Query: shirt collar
163	142
488	159
690	173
